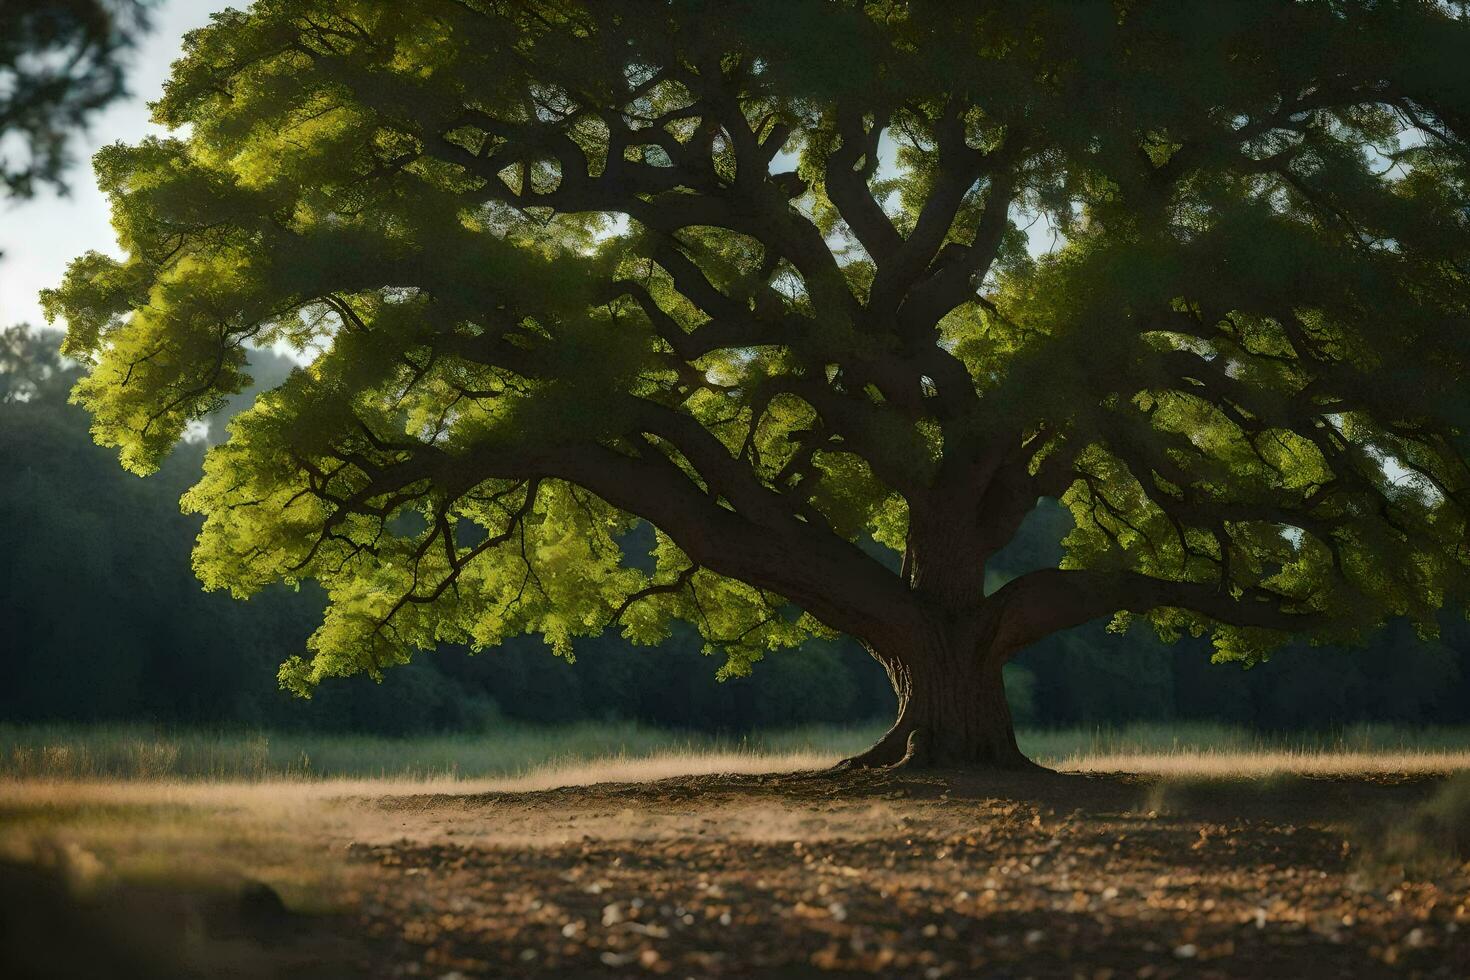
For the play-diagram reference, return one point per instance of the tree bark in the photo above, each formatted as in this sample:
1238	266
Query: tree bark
952	711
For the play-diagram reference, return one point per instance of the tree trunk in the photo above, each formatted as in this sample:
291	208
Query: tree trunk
952	713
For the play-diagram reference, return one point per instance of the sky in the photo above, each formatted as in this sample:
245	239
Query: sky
40	236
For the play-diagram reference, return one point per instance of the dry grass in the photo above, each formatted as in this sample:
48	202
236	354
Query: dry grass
170	806
1250	765
137	752
272	828
407	851
212	835
198	828
280	796
201	765
540	757
662	766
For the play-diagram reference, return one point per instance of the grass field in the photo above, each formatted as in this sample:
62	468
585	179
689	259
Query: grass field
581	752
1160	851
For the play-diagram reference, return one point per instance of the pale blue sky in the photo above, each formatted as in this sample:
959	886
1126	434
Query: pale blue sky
40	236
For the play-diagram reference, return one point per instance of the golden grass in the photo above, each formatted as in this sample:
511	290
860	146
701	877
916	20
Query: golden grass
288	831
283	797
662	766
138	752
1244	765
284	792
173	814
279	797
542	757
210	835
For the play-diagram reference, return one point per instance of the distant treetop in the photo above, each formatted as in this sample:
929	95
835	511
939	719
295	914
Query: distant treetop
60	61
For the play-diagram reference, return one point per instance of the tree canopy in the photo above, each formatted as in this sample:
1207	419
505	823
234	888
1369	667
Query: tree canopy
104	622
758	274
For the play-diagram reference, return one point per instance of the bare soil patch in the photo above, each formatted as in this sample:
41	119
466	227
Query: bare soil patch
875	874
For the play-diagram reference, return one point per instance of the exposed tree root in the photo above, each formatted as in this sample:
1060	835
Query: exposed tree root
883	755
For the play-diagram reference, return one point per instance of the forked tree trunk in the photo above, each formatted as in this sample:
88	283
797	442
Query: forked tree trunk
952	712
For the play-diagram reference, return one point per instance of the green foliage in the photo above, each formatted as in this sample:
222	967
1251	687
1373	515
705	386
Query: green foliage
1240	372
105	623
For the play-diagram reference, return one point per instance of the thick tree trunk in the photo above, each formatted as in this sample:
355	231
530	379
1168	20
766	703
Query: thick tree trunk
952	712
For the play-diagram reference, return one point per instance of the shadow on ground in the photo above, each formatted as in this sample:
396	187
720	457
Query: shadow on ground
52	926
865	874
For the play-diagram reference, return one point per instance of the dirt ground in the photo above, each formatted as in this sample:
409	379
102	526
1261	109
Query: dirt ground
872	874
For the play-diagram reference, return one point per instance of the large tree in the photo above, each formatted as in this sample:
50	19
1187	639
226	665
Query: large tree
757	274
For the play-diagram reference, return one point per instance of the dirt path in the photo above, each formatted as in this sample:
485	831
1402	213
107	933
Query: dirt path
1095	876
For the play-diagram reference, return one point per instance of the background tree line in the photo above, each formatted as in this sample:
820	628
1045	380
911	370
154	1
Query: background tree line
104	620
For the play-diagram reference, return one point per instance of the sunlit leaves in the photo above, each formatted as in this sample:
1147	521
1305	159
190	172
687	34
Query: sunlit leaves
546	284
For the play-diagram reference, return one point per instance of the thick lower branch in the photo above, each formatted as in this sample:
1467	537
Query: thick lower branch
1050	600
